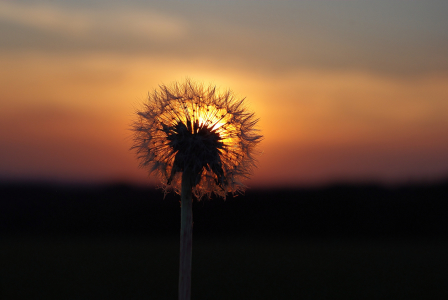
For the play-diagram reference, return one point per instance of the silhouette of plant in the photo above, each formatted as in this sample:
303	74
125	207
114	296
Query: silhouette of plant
198	141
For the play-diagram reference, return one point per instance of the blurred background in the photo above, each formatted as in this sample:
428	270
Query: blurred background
348	200
344	91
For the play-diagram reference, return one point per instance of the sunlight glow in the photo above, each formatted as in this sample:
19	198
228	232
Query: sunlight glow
198	116
200	131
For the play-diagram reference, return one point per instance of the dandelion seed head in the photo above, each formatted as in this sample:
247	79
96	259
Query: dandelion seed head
191	128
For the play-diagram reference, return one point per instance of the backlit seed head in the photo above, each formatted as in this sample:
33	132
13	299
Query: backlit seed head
191	128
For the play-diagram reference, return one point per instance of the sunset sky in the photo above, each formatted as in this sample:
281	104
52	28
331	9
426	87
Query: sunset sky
349	91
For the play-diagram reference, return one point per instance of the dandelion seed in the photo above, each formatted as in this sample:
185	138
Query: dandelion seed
198	141
191	128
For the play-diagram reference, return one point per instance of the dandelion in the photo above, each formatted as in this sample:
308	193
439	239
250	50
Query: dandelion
198	141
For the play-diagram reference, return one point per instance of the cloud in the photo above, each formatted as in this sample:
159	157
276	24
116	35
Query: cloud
267	37
82	22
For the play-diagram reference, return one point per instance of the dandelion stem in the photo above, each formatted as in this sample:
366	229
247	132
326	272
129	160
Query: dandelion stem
186	238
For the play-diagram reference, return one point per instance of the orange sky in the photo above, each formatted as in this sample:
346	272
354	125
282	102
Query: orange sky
336	101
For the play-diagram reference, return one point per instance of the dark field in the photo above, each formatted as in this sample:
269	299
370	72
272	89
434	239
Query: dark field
121	242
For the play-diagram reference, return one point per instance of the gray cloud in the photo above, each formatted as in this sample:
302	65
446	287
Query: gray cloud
383	36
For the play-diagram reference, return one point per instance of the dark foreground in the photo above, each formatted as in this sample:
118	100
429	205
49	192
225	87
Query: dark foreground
120	242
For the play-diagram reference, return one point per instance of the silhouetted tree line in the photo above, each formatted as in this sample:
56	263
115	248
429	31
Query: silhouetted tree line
406	211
